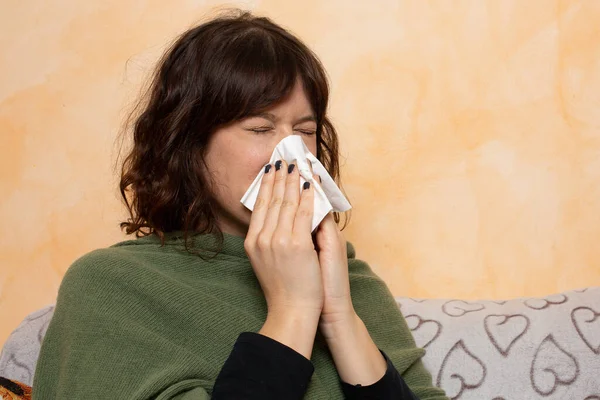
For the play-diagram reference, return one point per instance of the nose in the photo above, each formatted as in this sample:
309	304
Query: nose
283	132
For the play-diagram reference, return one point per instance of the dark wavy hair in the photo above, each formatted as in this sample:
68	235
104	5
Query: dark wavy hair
223	70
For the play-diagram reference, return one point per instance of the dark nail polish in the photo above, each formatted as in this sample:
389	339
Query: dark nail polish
306	185
267	168
291	168
277	165
320	180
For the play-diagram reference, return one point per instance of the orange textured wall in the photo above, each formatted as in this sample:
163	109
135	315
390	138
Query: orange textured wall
470	136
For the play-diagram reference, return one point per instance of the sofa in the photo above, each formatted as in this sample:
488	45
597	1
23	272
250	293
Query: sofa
518	349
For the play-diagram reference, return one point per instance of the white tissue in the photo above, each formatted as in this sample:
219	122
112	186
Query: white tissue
328	197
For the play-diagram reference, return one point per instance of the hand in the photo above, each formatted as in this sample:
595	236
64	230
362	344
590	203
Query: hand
280	247
333	259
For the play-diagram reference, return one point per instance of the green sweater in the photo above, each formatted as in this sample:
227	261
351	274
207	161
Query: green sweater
138	320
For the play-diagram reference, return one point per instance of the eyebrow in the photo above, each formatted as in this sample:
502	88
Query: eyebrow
273	118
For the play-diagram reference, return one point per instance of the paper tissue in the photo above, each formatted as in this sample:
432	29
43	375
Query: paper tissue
328	197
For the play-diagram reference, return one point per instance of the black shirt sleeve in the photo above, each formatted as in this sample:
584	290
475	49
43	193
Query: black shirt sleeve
390	386
262	368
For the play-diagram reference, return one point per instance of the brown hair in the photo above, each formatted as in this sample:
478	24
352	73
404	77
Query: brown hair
223	70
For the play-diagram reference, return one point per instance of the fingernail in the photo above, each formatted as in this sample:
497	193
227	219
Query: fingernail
306	185
290	168
320	180
277	165
267	168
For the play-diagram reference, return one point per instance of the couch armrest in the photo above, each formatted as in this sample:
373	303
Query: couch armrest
20	352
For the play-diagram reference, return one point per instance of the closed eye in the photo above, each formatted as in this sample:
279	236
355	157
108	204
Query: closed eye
261	129
265	129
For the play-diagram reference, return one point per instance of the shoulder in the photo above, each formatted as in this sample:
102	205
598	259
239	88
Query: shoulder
120	259
113	278
115	265
102	260
128	266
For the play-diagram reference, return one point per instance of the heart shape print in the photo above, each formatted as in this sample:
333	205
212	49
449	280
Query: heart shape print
458	308
461	370
504	330
425	331
587	325
552	366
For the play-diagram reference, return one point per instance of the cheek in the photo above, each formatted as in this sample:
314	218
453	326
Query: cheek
311	143
243	166
255	160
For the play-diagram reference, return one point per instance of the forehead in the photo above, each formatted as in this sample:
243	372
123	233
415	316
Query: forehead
295	101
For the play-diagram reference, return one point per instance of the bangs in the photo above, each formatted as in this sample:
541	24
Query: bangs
258	71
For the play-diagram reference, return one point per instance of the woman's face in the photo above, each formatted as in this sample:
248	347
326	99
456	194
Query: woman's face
238	151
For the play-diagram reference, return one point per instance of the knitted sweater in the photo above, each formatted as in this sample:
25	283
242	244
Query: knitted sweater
138	320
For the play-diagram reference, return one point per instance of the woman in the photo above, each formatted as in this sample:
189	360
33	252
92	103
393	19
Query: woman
211	300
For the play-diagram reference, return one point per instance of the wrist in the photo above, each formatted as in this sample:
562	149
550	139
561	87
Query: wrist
356	356
294	329
341	326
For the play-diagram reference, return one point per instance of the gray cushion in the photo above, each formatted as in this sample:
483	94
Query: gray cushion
20	352
525	348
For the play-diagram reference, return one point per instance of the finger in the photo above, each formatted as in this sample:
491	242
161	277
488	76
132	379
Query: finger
259	213
331	227
280	177
317	178
291	200
304	214
328	225
311	169
329	230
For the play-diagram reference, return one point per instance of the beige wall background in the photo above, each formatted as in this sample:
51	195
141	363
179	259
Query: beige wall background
470	136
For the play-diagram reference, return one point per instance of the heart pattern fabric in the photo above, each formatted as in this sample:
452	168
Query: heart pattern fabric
518	349
472	371
429	330
552	366
505	330
587	323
